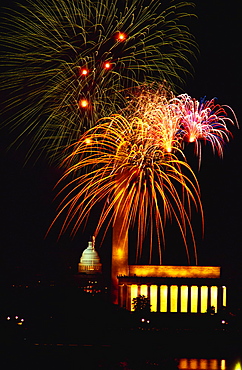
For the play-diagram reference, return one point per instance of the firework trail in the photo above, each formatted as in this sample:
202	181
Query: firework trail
134	176
68	63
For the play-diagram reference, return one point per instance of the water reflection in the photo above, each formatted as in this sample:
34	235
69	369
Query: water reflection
207	364
202	364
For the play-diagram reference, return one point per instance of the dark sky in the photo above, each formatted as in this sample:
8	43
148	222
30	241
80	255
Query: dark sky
27	206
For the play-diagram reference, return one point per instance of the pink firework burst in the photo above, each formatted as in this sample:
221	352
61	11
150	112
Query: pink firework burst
202	120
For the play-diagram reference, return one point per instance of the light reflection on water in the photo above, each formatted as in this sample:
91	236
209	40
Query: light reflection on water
207	364
202	364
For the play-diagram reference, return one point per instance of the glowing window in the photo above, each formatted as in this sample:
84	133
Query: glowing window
163	298
144	290
214	297
204	299
133	294
173	298
194	298
184	298
153	298
224	296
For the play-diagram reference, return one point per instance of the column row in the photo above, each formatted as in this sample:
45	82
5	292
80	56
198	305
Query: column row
175	298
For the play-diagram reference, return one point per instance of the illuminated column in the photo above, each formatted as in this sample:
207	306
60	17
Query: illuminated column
224	298
221	296
119	255
163	298
184	298
153	298
143	289
214	297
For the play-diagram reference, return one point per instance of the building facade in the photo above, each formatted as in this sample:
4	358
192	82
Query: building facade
177	289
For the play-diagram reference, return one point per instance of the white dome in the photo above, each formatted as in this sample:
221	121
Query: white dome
90	261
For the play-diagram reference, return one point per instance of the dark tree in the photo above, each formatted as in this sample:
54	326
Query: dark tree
141	304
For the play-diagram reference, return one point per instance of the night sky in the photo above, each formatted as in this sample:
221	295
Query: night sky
27	206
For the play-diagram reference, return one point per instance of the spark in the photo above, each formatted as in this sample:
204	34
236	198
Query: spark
121	36
107	65
83	103
84	72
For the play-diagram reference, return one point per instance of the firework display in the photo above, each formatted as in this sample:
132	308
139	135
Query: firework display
137	166
134	176
93	83
69	62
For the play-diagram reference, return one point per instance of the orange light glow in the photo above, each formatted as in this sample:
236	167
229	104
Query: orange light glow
83	71
107	65
121	36
191	139
88	141
175	271
83	103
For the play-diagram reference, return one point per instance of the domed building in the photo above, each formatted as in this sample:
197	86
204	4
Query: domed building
89	277
90	260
